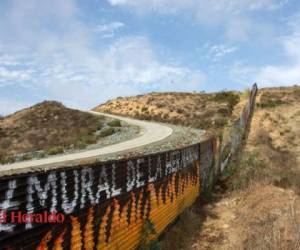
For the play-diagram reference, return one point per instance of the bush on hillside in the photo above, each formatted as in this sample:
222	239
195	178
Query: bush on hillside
270	103
230	97
114	123
54	150
107	131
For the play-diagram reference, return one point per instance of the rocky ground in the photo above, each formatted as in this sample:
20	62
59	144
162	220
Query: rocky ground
181	137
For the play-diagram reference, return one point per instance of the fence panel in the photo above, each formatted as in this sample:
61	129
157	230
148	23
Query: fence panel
105	206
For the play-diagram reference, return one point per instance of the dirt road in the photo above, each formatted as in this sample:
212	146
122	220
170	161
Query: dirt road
150	132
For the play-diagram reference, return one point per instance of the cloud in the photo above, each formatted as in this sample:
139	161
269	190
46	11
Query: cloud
107	30
116	71
235	17
51	51
288	72
8	60
242	73
121	70
218	51
27	21
7	76
284	73
173	6
279	76
11	70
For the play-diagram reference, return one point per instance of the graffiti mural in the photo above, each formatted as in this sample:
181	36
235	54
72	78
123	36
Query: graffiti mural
96	206
119	227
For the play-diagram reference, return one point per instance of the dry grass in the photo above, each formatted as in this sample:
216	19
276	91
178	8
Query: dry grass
206	111
47	125
179	236
273	97
257	205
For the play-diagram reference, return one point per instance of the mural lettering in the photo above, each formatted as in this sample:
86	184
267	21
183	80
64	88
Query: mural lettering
68	191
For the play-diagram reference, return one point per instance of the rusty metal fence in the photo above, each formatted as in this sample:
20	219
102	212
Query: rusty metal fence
236	131
109	205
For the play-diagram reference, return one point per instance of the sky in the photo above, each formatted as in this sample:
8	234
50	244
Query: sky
85	52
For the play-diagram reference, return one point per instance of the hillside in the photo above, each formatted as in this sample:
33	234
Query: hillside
50	126
256	204
198	110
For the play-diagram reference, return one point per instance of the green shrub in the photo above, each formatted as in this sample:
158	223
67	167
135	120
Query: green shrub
165	116
220	121
223	111
26	157
80	144
6	159
41	155
114	123
230	97
89	139
180	110
144	109
82	141
268	101
148	231
107	131
54	150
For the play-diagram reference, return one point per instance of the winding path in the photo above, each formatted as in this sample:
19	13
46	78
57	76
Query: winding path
150	132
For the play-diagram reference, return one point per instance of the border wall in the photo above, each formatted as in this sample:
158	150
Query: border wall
108	205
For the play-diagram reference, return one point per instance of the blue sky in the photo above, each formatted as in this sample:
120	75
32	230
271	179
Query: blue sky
85	52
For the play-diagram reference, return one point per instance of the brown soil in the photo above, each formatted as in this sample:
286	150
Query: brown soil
199	110
44	125
257	206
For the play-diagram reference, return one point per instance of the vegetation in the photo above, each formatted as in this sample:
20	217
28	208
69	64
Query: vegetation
49	128
246	93
269	102
250	166
279	97
82	141
220	122
144	109
26	157
244	172
179	237
41	154
6	159
146	242
44	126
199	110
255	203
114	123
230	97
107	131
54	150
